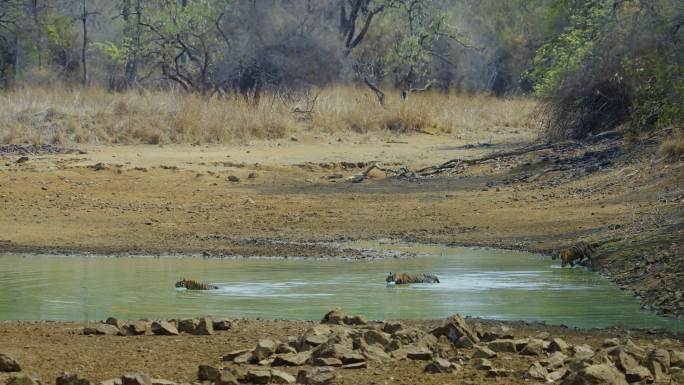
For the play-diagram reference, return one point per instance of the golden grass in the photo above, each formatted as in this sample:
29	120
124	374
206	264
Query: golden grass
93	115
673	147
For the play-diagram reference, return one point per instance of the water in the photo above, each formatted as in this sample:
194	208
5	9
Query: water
477	282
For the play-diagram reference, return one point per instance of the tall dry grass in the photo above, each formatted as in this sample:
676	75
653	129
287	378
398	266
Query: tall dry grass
61	116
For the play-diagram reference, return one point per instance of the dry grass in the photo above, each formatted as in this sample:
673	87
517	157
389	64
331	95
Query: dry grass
673	147
61	116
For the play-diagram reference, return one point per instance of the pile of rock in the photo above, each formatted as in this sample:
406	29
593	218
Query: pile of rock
196	326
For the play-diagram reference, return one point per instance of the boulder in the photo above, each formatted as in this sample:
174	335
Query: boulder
258	376
676	358
222	324
327	361
316	376
482	364
520	343
533	348
392	327
554	361
101	329
136	328
71	379
115	322
226	377
464	343
418	353
136	379
375	353
445	349
355	320
284	348
409	336
244	358
164	328
377	337
280	377
205	327
502	346
316	340
596	375
537	372
559	345
483	352
582	352
631	368
264	349
188	325
610	342
231	356
8	364
439	365
292	359
393	345
23	379
455	327
556	375
335	317
499	332
207	373
661	356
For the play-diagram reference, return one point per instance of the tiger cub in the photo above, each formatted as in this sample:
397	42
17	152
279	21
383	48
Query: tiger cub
577	253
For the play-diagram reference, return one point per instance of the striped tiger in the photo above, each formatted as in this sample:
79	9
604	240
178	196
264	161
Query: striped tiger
403	278
577	253
190	284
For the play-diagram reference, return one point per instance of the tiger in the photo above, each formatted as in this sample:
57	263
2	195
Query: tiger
189	284
577	253
403	278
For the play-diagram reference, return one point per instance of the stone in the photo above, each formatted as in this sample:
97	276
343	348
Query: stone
415	353
483	352
244	358
464	343
356	365
292	359
280	377
392	327
136	379
222	324
375	353
377	337
226	377
316	376
582	352
603	374
164	328
610	342
355	320
499	332
188	325
393	345
633	371
520	343
677	358
502	346
533	348
499	372
104	330
231	356
455	327
482	364
335	317
205	327
439	365
559	345
409	336
23	379
8	364
115	322
111	381
445	349
258	376
554	361
264	349
316	340
543	336
327	361
136	328
537	372
233	178
351	357
284	348
207	373
659	373
659	355
556	375
71	379
160	381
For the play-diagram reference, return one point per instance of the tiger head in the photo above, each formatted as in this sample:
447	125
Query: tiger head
566	256
181	283
391	277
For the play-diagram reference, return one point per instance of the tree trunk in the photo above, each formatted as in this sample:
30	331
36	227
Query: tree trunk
35	11
84	50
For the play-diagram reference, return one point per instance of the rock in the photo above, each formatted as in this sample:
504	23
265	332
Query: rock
355	320
543	335
537	371
399	354
596	375
102	330
205	327
351	357
416	353
207	373
439	365
291	359
455	327
164	328
111	381
610	342
135	328
631	368
520	343
115	322
188	325
376	337
464	343
635	350
284	348
280	377
501	346
8	364
556	375
335	317
252	175
392	327
264	349
375	353
258	376
160	381
71	379
559	345
223	324
244	358
233	178
445	349
226	377
316	340
356	365
136	379
677	358
409	336
582	352
316	376
483	352
393	345
533	348
23	379
327	361
499	372
231	356
661	356
499	332
482	364
554	361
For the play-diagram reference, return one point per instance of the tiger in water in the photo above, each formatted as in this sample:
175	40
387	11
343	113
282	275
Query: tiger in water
189	284
577	253
403	278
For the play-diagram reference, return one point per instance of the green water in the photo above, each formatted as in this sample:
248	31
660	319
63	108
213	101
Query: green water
477	282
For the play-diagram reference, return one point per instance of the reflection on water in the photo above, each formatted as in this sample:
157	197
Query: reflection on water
474	281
